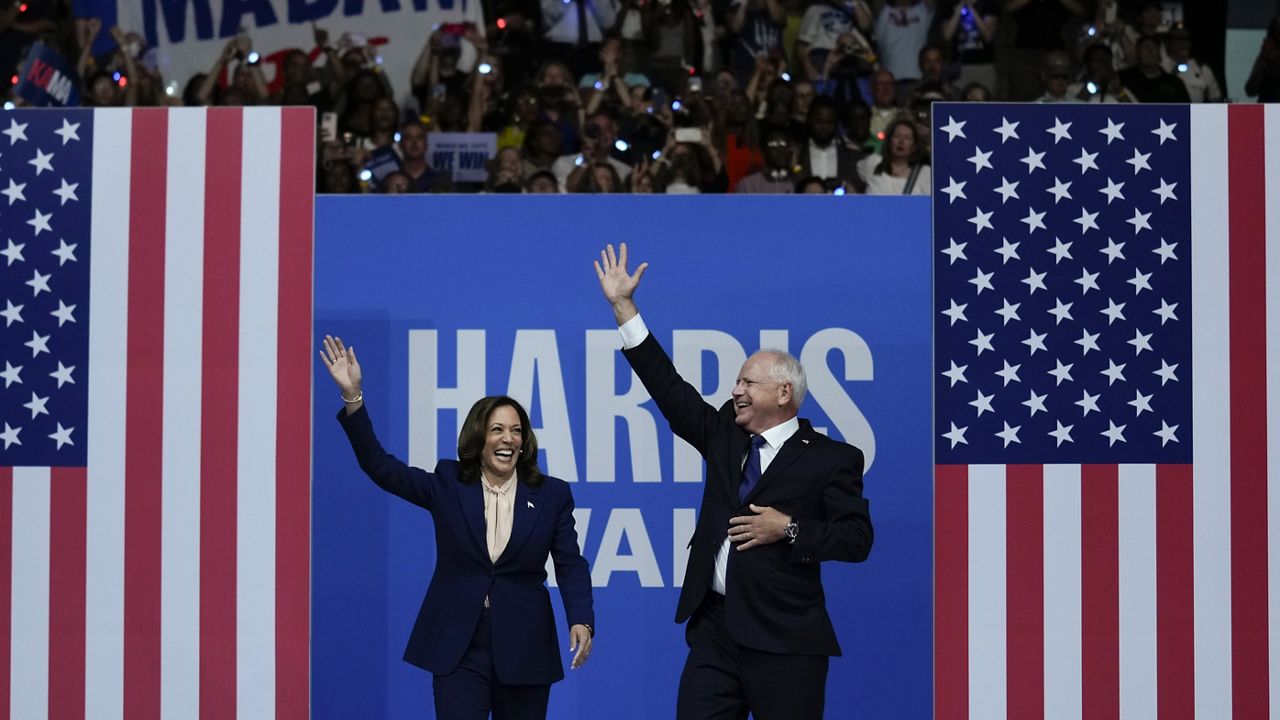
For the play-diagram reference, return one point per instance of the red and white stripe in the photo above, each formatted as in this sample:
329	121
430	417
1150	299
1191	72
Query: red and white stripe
1141	591
170	579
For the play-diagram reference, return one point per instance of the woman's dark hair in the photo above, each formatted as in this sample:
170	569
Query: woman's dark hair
885	166
587	182
474	430
1092	50
803	184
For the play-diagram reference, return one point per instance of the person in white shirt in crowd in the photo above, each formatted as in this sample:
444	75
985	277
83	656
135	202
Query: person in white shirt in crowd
901	29
1110	28
823	26
1056	72
884	103
1201	83
899	169
598	136
573	31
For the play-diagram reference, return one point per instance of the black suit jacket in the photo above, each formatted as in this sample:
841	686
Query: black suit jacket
526	650
847	160
773	593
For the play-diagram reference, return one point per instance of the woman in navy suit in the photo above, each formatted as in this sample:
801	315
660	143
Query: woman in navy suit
485	631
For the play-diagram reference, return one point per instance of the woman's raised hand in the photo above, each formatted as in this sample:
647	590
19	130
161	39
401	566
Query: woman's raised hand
343	366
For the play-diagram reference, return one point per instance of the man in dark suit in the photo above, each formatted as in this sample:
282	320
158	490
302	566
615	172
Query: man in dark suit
779	499
825	155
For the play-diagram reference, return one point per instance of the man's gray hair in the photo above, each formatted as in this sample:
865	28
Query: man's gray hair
786	368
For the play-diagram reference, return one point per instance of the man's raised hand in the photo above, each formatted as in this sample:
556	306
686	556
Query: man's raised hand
616	283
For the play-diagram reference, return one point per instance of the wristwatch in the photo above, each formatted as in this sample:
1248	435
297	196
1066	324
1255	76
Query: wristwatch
791	532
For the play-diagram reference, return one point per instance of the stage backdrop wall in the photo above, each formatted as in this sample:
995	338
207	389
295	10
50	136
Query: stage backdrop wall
450	298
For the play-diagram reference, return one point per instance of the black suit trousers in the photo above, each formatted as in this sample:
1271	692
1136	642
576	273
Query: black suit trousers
473	690
723	680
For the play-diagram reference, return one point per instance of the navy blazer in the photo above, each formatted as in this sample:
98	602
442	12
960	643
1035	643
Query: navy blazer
526	650
774	599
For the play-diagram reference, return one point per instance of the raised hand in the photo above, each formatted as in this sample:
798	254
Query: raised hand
343	367
617	284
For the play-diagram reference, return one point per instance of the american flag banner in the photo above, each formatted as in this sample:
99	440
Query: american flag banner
1106	399
155	460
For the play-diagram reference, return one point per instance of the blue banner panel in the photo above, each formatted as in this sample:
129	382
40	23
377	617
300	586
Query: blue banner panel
450	298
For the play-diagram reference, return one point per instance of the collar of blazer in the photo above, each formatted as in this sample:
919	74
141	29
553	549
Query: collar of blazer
527	507
791	450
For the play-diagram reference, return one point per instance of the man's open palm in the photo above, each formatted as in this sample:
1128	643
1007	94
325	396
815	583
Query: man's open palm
616	283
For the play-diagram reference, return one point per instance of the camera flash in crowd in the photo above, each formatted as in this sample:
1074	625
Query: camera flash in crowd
621	145
9	105
253	57
484	68
786	76
675	105
366	175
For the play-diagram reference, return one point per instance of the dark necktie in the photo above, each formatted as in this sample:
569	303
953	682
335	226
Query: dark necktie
582	23
751	470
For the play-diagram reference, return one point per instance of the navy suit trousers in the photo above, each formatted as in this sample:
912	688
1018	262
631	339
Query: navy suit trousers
473	690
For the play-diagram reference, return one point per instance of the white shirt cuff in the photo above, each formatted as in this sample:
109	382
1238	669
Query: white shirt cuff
633	332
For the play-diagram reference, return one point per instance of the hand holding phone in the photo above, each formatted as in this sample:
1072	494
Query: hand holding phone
688	135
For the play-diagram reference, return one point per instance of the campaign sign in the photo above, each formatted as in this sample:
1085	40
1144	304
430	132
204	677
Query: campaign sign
447	299
466	154
47	80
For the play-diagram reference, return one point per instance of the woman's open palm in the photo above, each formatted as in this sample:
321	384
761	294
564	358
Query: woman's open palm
342	364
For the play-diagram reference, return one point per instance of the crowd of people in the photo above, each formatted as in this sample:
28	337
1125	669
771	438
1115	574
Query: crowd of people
683	96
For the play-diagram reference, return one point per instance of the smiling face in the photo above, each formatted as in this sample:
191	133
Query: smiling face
503	438
759	401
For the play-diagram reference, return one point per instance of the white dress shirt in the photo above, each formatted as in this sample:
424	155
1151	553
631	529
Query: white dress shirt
823	161
634	332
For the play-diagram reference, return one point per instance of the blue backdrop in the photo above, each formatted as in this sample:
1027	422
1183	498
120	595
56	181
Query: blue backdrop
449	298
